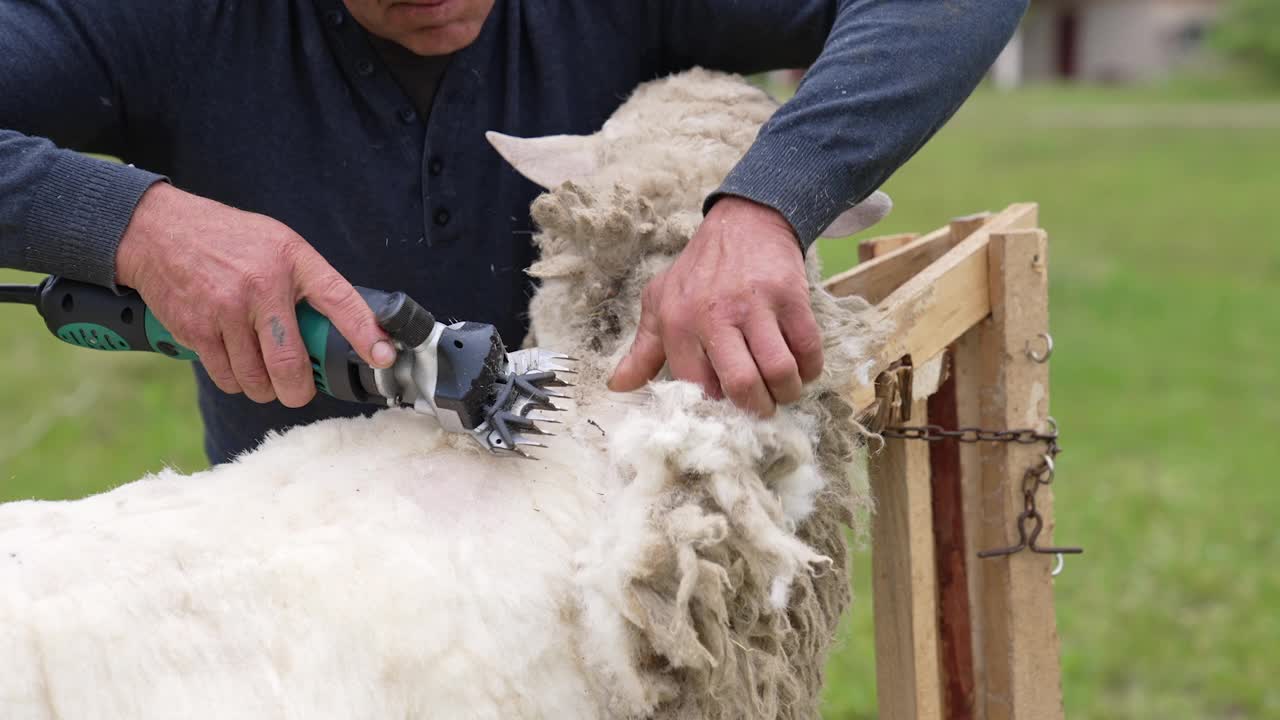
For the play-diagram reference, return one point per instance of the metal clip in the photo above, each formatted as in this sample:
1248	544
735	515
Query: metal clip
1048	349
1027	540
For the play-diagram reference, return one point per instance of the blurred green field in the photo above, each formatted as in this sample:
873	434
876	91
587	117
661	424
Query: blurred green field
1164	265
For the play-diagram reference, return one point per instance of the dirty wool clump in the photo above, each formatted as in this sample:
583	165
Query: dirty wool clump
721	569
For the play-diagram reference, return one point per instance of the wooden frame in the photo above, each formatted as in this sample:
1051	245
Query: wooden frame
958	636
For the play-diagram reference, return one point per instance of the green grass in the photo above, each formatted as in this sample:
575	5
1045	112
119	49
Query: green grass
1165	265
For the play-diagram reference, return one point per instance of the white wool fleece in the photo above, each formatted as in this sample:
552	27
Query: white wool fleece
351	569
369	568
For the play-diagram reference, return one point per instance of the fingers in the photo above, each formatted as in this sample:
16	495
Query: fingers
739	377
329	293
641	364
246	361
647	355
774	359
688	361
287	362
804	339
747	356
213	356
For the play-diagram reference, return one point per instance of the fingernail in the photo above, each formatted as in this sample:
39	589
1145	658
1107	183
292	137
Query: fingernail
383	354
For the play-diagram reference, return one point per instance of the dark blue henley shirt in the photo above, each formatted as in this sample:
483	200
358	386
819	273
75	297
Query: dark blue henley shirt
285	108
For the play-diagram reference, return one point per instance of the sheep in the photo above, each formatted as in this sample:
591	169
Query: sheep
667	556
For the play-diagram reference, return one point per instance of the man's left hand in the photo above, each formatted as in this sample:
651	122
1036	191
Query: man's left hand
731	314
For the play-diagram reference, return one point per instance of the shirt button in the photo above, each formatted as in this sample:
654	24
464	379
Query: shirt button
334	18
364	68
442	217
436	166
407	115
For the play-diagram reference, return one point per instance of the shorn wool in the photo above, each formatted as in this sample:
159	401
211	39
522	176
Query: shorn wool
667	556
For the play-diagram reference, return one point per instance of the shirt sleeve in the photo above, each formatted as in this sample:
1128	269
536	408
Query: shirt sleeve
63	69
884	76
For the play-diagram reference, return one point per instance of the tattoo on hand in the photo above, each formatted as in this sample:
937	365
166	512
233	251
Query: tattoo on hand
277	331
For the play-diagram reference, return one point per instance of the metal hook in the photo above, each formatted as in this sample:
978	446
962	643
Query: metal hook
1043	473
1048	345
1027	540
1031	542
1022	538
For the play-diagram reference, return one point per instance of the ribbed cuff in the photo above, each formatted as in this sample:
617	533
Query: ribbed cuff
78	215
792	180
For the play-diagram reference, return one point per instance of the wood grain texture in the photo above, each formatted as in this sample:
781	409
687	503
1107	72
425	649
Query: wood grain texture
904	589
880	273
1021	674
902	573
955	641
966	369
875	247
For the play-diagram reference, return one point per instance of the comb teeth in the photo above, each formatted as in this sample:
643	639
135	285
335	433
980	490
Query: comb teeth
516	416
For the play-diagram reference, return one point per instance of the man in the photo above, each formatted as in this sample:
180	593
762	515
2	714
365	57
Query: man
286	149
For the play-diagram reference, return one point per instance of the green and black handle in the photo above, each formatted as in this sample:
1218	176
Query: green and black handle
95	317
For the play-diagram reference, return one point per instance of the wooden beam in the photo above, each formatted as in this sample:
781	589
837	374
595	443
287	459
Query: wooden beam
874	278
963	227
1021	675
888	262
934	308
875	247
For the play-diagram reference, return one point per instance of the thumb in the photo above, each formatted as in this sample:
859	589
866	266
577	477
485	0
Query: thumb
645	358
330	293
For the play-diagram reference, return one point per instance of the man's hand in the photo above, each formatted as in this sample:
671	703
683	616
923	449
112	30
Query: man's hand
225	283
731	314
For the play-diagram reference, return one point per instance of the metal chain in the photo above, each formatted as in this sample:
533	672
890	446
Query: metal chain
1030	521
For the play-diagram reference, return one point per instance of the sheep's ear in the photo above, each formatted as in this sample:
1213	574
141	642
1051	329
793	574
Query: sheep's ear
860	216
548	161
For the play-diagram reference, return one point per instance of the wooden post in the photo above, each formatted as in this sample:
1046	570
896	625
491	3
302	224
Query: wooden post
955	636
1020	670
902	566
966	371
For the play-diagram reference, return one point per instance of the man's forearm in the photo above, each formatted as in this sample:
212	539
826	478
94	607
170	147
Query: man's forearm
889	76
62	212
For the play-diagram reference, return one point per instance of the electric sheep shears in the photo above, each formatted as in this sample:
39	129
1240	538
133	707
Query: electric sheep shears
460	373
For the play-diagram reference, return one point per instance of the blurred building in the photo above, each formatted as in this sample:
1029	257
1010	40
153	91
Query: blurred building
1105	41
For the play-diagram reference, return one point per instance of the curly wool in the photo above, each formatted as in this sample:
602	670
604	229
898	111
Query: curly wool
729	586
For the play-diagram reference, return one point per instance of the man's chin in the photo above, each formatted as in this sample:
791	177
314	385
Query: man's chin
440	40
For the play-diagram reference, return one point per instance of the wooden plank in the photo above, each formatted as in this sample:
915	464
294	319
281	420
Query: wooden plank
873	279
875	247
955	642
1021	669
966	370
934	308
886	263
903	587
963	227
955	519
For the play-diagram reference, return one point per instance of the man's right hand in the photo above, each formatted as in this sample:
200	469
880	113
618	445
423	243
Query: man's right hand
225	283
